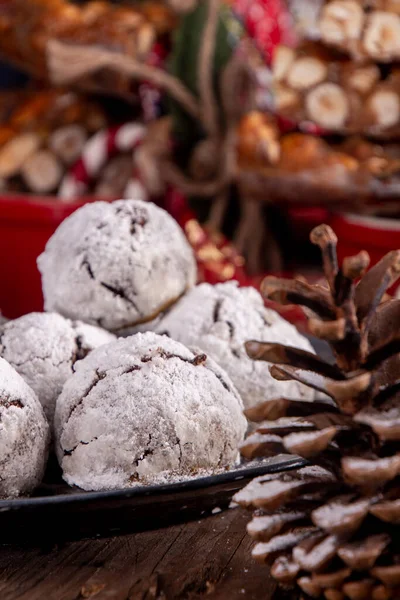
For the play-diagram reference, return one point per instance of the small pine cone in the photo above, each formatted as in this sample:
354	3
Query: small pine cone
332	528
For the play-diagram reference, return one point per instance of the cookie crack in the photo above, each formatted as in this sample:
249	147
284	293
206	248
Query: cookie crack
222	453
217	318
43	358
100	375
80	351
231	328
86	264
6	403
139	216
264	319
223	382
199	359
146	452
117	291
217	310
2	345
81	443
120	292
139	220
178	443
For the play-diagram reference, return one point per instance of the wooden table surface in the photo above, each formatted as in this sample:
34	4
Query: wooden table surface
203	559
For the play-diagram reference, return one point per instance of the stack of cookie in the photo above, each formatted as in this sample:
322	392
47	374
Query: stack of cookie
162	403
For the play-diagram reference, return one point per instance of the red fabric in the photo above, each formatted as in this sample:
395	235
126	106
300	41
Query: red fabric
268	23
111	142
80	172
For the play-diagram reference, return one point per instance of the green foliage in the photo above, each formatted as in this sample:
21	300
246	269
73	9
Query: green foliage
183	64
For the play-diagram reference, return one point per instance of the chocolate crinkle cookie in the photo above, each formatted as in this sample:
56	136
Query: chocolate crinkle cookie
44	347
146	409
24	435
116	264
219	319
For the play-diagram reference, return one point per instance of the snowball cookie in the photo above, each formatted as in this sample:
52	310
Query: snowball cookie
219	319
24	435
44	347
146	409
116	264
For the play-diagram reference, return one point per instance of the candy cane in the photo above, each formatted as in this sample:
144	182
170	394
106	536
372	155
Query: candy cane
97	152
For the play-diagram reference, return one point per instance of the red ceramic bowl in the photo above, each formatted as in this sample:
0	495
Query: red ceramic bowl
357	232
26	223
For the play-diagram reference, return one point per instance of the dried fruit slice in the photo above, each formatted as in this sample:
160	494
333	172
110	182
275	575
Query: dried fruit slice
341	21
328	106
285	99
281	61
363	79
42	172
68	142
306	72
381	38
384	106
15	152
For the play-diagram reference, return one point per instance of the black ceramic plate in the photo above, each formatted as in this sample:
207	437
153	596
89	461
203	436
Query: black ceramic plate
58	512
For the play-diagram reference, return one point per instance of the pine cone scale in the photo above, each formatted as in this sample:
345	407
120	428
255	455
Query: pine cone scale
341	515
374	284
286	291
286	355
387	511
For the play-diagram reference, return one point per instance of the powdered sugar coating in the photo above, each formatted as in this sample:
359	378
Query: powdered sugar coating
146	409
116	264
219	319
43	348
24	435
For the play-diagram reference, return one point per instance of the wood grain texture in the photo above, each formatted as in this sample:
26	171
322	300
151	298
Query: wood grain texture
208	558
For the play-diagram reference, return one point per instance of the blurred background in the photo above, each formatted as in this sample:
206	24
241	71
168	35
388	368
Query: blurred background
250	121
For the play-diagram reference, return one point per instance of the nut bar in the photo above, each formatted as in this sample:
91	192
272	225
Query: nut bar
313	83
350	173
27	27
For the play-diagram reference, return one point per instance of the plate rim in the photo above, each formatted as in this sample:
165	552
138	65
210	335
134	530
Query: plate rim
210	481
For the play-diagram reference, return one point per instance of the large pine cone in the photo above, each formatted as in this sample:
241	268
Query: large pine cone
332	528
